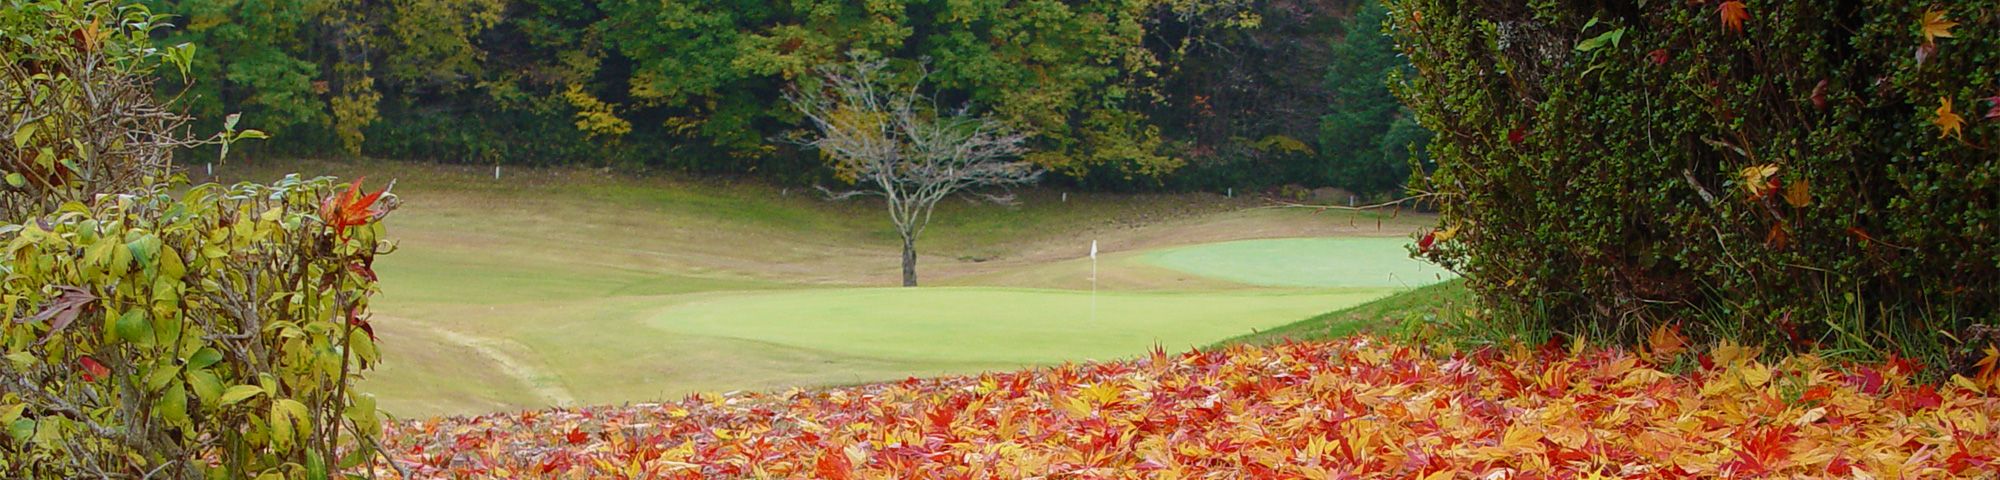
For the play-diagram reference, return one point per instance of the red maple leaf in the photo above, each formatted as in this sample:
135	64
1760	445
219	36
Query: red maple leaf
350	208
833	465
1659	56
1733	14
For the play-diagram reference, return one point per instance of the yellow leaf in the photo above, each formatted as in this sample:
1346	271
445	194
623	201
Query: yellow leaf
1102	393
1521	438
1441	475
1798	194
1948	123
1756	179
1729	352
1446	234
1935	26
1755	374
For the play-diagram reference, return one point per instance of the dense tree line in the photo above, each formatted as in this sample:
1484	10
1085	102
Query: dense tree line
1120	93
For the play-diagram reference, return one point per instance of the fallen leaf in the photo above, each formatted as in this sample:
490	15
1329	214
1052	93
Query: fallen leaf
1658	56
1733	14
1665	342
1935	26
1798	194
1948	123
1448	234
1989	368
1757	181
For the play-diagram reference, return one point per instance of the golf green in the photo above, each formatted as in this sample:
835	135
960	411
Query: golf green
1306	262
997	324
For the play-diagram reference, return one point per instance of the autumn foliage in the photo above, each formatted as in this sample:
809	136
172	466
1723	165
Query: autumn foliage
1795	174
151	329
1357	408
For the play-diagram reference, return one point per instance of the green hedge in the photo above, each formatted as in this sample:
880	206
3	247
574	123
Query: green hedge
1604	167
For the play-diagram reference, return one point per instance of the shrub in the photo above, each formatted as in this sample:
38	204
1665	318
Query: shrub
210	333
1796	173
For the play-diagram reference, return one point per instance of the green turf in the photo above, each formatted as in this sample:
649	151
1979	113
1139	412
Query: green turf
1307	262
997	324
1398	315
597	288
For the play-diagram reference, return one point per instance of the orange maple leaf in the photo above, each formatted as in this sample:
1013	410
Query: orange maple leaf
1798	194
1733	15
1935	26
1948	123
1989	368
1666	342
350	208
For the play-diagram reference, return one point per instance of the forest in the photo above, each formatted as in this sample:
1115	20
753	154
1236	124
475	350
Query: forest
1120	95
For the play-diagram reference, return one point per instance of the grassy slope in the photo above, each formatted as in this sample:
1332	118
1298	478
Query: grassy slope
568	285
1395	315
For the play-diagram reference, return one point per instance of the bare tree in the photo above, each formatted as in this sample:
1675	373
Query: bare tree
895	142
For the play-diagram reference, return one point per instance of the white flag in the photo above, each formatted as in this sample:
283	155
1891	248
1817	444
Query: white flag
1093	249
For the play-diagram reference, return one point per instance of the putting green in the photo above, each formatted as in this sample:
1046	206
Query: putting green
1307	262
997	324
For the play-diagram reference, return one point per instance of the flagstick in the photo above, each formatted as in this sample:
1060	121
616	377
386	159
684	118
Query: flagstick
1093	281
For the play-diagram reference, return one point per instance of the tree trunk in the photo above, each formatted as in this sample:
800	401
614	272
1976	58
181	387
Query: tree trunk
909	261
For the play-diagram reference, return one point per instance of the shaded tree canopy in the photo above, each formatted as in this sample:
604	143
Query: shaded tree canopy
1122	94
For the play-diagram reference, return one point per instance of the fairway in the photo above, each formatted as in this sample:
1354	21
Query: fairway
1370	262
552	287
998	324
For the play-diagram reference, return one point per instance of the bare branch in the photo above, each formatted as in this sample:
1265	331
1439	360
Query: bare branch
893	141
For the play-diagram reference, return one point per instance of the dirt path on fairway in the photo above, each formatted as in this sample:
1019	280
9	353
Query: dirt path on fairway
543	383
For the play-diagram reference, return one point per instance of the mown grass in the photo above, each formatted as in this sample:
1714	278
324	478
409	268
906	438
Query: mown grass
1414	314
599	288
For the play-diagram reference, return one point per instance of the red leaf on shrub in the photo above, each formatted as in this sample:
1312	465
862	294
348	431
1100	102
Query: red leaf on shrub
350	208
1659	56
354	318
61	311
1993	112
92	370
1733	14
1517	136
1424	244
1925	51
362	270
